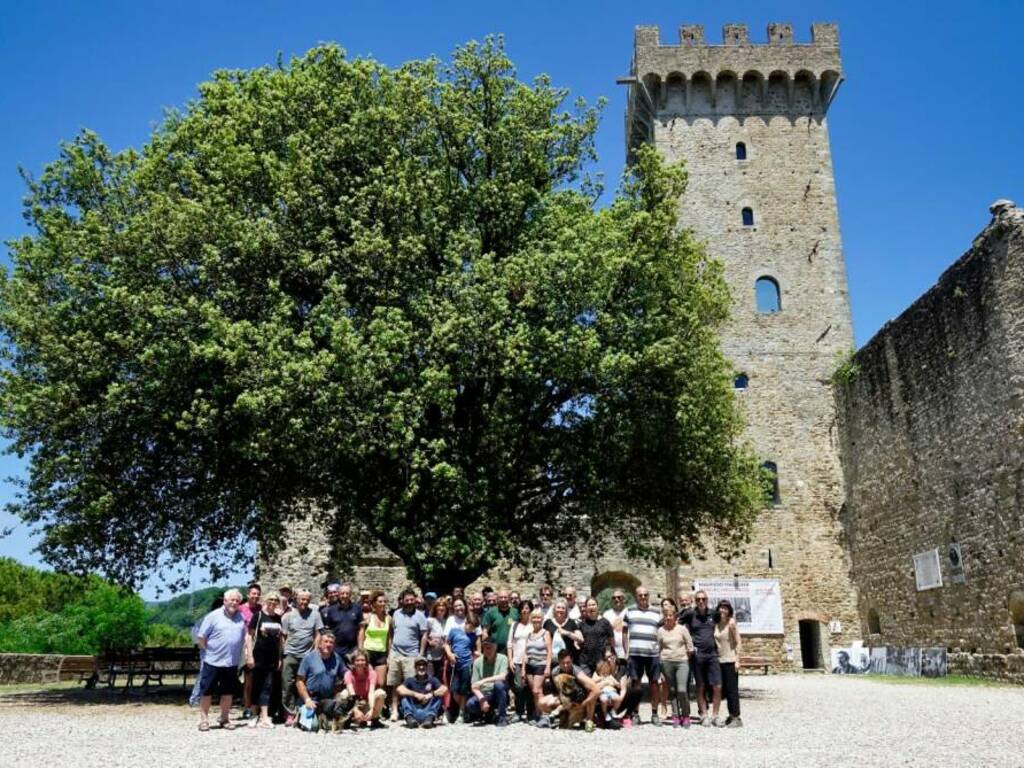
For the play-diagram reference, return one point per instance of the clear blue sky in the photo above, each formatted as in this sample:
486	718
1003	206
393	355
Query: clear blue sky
925	130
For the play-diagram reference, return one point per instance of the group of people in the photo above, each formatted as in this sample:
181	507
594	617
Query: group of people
488	657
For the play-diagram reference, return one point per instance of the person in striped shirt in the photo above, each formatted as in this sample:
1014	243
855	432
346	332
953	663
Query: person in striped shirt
641	641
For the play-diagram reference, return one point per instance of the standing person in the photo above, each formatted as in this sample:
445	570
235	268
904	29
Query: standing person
706	670
498	620
490	598
490	689
462	645
458	615
223	635
547	600
266	659
344	618
597	636
422	696
249	610
320	680
429	598
476	605
436	621
668	605
676	647
367	697
458	593
377	636
727	642
516	652
616	616
537	658
193	699
287	598
565	633
408	641
365	603
571	607
642	621
300	631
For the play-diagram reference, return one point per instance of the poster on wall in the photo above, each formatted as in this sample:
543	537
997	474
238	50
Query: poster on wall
896	661
933	662
757	602
854	660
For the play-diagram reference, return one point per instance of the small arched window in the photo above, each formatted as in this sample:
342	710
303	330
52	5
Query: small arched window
748	217
741	151
766	291
771	472
741	381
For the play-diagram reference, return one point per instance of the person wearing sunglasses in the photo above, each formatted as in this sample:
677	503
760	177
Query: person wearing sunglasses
706	670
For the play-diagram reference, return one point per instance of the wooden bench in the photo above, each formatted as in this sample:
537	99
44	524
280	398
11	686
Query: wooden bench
82	667
148	665
748	662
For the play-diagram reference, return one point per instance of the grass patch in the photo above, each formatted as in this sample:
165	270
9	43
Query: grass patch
948	680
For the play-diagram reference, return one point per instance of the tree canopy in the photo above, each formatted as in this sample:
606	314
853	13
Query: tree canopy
386	295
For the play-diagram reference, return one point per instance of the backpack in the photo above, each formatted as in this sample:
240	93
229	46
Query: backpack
307	719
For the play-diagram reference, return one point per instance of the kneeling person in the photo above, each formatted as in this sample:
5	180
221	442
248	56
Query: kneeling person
575	694
421	697
320	681
367	698
489	686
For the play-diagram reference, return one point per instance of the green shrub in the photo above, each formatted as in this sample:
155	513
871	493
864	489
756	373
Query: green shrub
166	636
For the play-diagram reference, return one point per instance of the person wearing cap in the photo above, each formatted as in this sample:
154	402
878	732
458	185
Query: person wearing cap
421	697
429	598
344	618
489	702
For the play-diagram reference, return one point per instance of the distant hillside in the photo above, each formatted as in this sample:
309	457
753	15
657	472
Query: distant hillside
183	611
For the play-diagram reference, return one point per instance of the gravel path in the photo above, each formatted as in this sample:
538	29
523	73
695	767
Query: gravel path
789	721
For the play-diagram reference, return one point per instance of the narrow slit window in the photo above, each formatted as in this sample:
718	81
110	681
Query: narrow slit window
766	291
772	483
748	217
741	151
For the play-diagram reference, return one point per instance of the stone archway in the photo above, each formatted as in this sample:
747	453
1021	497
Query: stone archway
602	584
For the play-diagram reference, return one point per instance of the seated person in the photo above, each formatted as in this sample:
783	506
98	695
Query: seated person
421	697
575	694
461	647
489	686
367	700
320	681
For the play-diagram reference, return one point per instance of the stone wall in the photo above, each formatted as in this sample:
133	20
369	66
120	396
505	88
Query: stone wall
932	429
696	102
28	668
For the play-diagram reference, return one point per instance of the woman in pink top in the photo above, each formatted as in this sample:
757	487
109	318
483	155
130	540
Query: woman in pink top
361	686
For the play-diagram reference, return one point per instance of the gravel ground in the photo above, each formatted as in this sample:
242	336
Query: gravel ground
789	721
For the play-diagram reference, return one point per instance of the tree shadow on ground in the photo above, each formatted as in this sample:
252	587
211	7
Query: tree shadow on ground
119	696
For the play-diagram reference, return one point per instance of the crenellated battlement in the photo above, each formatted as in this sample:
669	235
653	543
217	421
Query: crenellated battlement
695	78
691	35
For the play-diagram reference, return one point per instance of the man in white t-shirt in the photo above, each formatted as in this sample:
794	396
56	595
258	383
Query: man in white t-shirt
616	616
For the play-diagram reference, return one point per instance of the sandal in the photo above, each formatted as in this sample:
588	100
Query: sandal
227	725
204	726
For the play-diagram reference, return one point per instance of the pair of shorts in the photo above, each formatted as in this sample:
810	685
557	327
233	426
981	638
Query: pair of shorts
219	681
638	665
377	658
400	668
706	671
536	669
462	678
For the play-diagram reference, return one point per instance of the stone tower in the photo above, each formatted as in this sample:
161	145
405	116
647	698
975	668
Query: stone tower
749	120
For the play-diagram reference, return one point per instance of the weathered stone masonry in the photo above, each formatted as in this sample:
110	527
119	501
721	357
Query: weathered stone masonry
697	102
933	446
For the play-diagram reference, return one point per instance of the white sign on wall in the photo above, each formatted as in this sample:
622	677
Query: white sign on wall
927	570
757	602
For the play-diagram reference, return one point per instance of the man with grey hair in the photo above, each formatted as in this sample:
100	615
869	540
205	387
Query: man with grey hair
300	632
344	618
223	637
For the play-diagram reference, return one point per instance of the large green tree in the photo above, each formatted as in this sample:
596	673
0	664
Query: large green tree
384	297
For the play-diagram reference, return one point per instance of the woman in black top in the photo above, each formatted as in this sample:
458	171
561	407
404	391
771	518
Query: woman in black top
266	658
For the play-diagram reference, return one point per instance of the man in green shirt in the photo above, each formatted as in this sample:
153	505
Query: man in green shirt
498	620
489	685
